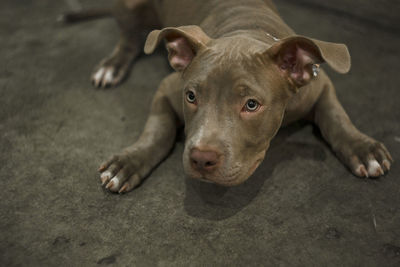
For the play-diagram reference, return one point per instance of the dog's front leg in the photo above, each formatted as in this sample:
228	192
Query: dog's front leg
124	171
364	156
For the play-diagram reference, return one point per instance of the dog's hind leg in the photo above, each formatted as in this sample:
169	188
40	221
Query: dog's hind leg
135	19
83	15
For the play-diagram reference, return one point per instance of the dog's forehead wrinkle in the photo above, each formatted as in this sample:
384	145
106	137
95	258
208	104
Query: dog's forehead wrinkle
232	49
228	61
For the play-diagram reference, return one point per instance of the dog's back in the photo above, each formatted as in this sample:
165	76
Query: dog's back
218	17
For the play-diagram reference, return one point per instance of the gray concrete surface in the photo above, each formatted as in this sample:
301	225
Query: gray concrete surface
300	208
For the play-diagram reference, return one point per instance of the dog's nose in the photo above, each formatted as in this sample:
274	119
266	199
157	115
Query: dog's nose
204	161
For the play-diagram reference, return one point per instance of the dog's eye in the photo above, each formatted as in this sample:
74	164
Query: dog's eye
190	97
251	105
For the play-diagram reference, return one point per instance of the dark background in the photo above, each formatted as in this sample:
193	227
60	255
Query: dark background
302	207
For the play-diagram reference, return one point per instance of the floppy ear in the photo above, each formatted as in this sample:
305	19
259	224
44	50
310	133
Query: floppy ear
296	55
182	44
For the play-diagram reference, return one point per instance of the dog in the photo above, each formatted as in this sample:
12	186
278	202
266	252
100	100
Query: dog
240	74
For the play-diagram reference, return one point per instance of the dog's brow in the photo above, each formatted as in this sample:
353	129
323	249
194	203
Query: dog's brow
193	85
245	90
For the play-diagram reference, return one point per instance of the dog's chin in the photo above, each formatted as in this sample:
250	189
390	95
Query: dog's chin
224	180
218	180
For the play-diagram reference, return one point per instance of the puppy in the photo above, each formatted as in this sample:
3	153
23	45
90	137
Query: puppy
240	74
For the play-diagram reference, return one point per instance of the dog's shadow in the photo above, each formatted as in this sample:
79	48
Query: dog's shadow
214	202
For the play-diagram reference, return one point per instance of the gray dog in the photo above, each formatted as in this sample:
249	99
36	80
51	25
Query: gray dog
241	73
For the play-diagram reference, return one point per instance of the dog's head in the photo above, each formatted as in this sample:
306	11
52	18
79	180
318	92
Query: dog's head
235	93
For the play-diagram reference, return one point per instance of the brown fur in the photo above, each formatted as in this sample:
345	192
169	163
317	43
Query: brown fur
227	56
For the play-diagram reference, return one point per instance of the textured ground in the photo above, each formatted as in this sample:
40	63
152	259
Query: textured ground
300	208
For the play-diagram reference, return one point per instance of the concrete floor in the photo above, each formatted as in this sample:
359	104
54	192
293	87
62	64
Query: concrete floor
302	207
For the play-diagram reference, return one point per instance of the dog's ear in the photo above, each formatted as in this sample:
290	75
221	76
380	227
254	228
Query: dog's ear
296	56
182	44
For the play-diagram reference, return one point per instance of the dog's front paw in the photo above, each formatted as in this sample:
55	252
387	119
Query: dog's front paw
120	173
365	156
